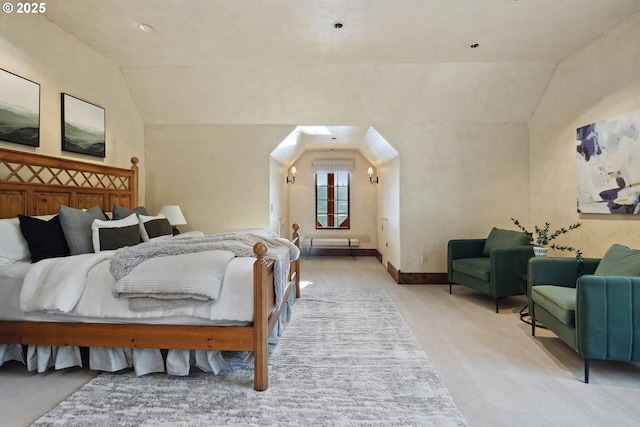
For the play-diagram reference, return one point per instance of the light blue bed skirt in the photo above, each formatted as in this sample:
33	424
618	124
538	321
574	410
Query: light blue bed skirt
143	360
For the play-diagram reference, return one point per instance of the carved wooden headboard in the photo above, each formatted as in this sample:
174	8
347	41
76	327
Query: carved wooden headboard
34	184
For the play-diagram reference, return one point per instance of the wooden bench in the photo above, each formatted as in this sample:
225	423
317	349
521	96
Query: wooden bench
330	243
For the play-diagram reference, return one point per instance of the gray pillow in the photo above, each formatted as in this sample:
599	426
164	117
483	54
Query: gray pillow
120	212
76	226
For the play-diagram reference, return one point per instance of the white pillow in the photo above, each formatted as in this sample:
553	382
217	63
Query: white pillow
110	235
155	227
13	246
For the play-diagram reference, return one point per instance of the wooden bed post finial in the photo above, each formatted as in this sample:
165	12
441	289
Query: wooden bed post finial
295	238
134	182
260	249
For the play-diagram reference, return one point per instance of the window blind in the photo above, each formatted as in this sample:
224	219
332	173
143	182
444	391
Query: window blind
333	165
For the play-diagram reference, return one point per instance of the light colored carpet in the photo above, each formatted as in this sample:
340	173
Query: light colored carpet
347	358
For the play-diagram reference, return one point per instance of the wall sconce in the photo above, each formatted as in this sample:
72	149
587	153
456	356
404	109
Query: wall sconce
293	172
370	172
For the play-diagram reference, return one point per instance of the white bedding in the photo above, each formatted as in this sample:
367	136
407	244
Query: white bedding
234	306
45	291
55	285
95	302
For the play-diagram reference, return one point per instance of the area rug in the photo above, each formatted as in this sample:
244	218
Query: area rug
346	359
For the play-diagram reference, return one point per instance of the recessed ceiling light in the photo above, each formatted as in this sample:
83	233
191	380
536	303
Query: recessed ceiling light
146	28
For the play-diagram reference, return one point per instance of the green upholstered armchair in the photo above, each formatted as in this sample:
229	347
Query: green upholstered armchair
492	266
593	307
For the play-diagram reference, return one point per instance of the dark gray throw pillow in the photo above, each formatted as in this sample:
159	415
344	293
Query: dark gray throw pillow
76	225
118	237
120	212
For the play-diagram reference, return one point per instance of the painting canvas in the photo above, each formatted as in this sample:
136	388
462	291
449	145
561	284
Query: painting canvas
608	155
83	127
19	110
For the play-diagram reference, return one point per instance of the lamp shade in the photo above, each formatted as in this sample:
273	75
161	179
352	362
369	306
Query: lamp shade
173	214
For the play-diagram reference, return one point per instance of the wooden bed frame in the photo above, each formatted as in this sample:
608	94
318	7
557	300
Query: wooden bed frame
33	184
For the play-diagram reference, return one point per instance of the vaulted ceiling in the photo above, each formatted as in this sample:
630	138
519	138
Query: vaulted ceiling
337	62
207	32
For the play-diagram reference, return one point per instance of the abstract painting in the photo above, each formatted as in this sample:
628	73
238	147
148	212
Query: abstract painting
19	110
83	127
608	156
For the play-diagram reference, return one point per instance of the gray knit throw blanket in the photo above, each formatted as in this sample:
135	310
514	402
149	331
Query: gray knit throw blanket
282	251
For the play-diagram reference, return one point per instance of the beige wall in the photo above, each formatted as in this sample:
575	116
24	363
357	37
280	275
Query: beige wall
449	181
456	181
278	206
32	47
388	208
363	199
340	94
219	175
597	82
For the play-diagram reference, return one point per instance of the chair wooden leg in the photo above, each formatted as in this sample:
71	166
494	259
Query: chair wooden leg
497	304
586	371
450	288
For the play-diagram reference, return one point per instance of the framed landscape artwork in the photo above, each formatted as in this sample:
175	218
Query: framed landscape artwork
608	168
83	127
19	110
